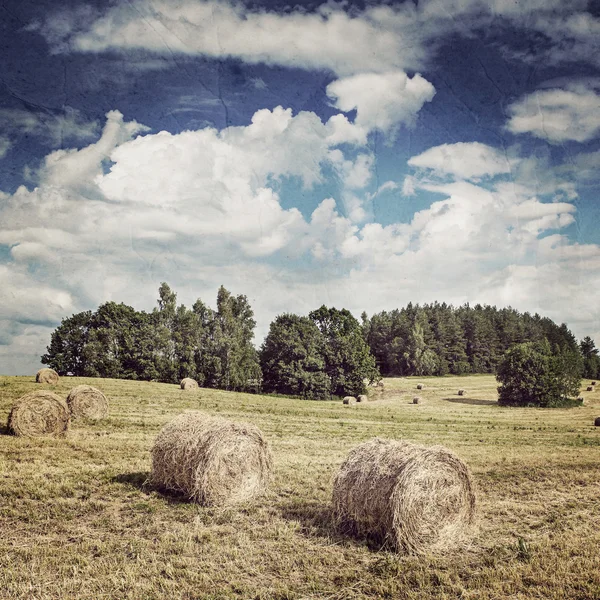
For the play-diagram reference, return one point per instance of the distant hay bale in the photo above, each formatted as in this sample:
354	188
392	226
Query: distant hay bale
380	383
87	402
593	383
210	460
589	388
47	376
420	386
189	384
349	400
461	392
413	498
416	400
362	398
597	422
38	414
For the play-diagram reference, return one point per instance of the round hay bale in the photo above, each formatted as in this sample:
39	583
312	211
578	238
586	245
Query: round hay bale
210	460
593	383
87	402
590	388
362	398
416	399
47	376
410	497
461	392
597	422
349	400
189	384
39	413
420	386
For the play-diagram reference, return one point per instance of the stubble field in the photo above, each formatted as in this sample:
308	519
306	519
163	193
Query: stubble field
77	519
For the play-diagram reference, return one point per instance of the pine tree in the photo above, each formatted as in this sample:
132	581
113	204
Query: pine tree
591	360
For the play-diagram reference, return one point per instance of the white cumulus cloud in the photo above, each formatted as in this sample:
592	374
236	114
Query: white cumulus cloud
202	208
558	115
463	160
382	100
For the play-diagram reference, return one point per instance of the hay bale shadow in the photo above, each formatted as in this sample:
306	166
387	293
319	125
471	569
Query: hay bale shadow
315	519
318	521
138	480
472	401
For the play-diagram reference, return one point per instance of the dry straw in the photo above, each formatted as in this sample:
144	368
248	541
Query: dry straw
210	460
189	384
411	498
47	376
87	402
349	400
38	414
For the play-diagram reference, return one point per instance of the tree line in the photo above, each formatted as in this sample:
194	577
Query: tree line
439	339
329	352
214	347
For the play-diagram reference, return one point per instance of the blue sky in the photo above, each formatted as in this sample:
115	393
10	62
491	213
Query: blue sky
354	154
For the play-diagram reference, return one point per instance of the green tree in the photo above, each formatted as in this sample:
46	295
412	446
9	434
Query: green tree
348	360
229	360
113	342
292	359
419	358
67	342
165	357
591	360
454	350
386	336
530	375
187	332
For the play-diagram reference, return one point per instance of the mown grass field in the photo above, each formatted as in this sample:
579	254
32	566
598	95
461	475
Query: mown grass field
77	520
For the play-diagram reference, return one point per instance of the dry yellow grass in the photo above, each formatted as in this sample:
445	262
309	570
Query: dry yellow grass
79	521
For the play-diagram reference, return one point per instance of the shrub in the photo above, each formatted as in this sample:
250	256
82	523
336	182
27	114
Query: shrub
531	375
